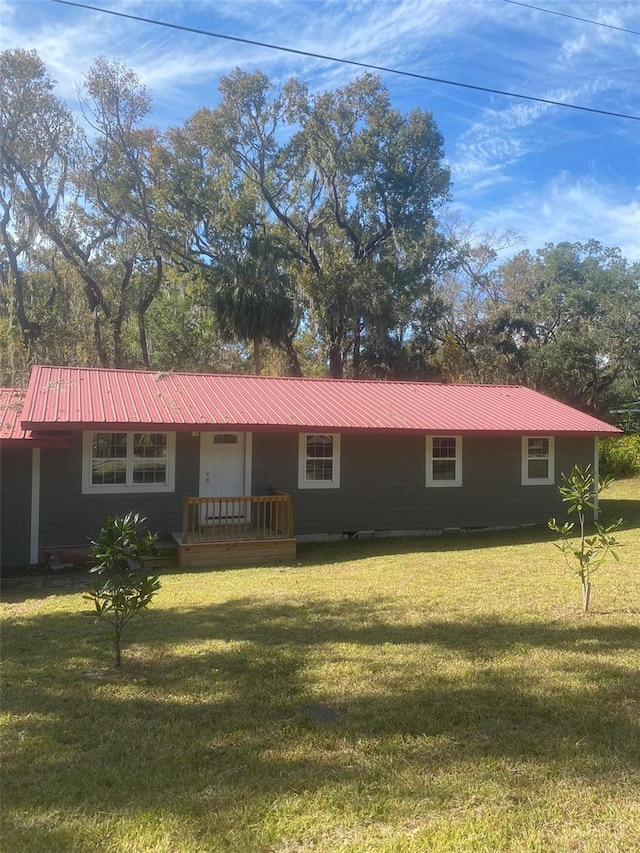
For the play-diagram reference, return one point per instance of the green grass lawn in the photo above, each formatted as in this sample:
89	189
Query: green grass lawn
412	696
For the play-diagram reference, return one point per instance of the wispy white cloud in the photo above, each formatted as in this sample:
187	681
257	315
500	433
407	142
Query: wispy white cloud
570	209
501	137
177	66
548	172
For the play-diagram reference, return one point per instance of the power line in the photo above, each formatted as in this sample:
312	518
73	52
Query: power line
412	74
573	17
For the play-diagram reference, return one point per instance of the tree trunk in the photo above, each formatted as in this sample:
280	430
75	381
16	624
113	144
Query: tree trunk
31	330
357	342
586	594
97	339
118	317
118	354
257	361
142	338
293	362
143	307
336	362
117	637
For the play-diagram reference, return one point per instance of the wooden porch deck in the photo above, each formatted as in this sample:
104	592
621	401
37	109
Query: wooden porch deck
243	530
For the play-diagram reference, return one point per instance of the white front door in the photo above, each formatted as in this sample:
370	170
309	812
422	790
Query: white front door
222	470
221	464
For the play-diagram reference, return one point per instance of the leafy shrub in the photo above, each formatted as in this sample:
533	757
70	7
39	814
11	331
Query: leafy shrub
584	554
123	588
620	456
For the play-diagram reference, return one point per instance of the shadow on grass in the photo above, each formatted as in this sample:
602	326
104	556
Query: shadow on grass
229	713
628	511
329	553
211	708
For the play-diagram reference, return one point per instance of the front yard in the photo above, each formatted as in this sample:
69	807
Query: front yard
410	696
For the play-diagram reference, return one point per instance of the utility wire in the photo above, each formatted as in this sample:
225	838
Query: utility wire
573	17
367	65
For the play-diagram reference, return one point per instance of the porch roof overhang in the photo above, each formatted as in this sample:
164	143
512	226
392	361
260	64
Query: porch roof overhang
64	398
11	406
12	433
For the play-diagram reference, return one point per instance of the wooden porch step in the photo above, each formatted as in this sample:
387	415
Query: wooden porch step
166	557
232	554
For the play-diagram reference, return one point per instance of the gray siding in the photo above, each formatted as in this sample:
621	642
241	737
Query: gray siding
15	506
382	488
383	484
67	517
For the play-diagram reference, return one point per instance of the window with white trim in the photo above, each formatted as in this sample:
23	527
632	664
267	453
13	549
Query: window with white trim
444	460
114	462
319	461
537	460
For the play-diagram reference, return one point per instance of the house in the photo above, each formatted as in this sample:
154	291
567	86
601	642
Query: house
628	416
239	468
20	481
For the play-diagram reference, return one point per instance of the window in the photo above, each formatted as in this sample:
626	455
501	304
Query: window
537	461
225	438
319	461
128	462
444	460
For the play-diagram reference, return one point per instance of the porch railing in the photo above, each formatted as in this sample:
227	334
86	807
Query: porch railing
245	517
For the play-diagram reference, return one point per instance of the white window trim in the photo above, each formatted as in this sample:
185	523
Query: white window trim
89	488
538	481
438	484
303	483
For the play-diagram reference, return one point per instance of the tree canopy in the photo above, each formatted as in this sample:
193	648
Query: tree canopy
284	230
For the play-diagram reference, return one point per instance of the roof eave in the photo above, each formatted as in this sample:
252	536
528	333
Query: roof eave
116	426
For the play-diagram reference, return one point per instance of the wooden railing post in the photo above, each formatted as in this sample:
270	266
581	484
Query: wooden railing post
290	514
185	519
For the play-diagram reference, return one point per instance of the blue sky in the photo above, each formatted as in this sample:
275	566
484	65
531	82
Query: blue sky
550	173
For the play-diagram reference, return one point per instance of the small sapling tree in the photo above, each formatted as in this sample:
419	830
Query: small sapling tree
584	553
123	588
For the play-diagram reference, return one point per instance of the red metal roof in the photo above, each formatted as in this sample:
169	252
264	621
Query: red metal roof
13	434
72	397
11	405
